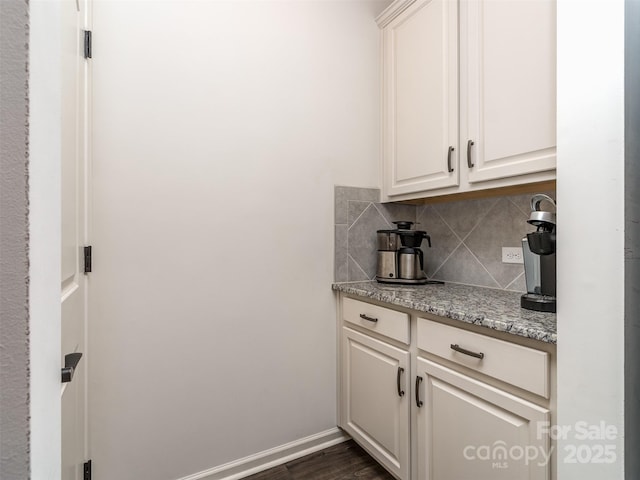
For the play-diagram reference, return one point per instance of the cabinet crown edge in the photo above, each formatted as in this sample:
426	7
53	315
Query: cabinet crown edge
392	11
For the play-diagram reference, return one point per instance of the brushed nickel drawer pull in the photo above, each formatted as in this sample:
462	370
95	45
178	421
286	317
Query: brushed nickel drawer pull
400	391
458	348
367	318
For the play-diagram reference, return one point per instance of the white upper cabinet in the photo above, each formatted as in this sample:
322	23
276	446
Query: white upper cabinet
485	119
420	56
507	87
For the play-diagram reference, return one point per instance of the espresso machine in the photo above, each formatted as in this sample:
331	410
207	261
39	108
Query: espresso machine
539	253
400	258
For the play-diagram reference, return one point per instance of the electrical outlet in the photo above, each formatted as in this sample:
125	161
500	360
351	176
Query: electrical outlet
512	255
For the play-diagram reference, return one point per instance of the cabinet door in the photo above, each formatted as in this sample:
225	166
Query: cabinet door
420	92
468	430
375	412
507	87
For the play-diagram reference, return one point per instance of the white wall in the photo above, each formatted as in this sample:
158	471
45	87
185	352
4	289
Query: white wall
44	237
590	232
220	129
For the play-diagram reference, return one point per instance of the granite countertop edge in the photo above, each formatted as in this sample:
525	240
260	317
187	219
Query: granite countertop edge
491	308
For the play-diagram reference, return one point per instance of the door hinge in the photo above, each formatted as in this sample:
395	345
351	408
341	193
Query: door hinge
87	44
87	471
87	259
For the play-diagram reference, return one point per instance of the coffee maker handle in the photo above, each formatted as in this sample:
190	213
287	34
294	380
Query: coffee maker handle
537	199
428	239
421	257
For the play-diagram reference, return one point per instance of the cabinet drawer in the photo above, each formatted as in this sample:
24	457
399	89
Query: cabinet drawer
523	367
385	321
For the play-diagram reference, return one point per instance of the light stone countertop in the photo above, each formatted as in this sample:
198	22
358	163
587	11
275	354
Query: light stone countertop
496	309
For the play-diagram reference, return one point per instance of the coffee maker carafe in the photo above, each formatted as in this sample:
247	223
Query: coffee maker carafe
400	258
539	252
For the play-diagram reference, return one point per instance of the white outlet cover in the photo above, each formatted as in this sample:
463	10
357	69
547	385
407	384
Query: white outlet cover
512	255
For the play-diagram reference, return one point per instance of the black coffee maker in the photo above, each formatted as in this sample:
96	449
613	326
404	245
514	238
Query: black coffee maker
404	263
539	251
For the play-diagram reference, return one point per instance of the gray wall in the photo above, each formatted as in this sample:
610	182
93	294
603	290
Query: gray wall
467	236
14	332
632	239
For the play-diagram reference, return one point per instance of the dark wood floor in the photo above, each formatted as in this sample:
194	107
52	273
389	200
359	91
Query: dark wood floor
344	461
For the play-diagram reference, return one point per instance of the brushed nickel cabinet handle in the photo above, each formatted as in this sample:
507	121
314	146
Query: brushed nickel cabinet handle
400	372
470	144
449	167
419	402
458	348
367	318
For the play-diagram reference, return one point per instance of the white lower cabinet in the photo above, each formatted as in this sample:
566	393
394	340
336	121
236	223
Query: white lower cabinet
375	398
431	401
468	430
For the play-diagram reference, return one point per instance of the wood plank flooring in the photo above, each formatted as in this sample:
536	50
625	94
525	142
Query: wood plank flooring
344	461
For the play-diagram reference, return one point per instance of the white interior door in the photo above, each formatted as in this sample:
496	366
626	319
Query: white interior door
73	281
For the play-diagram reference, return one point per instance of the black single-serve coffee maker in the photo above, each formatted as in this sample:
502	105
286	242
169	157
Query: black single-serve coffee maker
539	253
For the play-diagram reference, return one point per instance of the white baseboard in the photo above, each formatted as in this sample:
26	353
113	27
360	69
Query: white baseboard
271	458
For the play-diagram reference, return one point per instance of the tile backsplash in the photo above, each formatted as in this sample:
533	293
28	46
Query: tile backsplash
358	214
467	236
